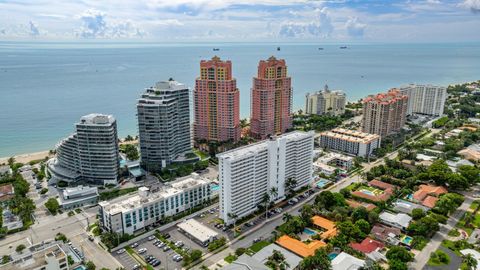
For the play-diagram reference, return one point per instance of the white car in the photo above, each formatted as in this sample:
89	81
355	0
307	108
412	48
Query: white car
120	251
142	250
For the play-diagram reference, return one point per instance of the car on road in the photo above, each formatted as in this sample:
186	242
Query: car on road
90	238
142	250
121	251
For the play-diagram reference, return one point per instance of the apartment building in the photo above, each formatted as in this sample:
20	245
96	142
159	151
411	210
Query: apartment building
271	99
129	214
425	99
325	102
385	113
249	172
39	257
351	142
163	114
216	103
90	154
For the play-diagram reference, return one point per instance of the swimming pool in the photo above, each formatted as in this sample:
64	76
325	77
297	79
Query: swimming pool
409	197
214	187
368	192
407	240
332	256
309	232
322	182
80	267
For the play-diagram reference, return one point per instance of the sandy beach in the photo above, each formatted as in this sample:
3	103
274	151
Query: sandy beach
25	158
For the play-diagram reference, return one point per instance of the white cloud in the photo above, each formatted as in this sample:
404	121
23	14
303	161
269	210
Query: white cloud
473	5
355	28
320	26
95	25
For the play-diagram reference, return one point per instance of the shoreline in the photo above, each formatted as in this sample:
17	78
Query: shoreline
25	158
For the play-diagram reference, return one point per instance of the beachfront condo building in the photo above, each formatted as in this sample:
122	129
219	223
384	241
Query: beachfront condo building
163	113
216	103
385	113
90	154
132	213
247	173
325	102
425	99
271	97
351	142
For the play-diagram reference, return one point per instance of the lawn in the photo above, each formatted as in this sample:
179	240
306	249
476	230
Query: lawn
202	155
230	258
258	246
474	205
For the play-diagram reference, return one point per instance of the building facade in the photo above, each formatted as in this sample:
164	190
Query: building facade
350	142
163	114
385	113
90	154
51	256
129	214
216	103
271	97
79	196
325	102
425	99
247	173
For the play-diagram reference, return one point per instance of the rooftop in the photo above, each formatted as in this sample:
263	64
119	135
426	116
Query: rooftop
35	257
400	218
97	119
424	190
350	135
129	202
254	148
245	262
327	225
345	261
391	96
355	204
197	230
407	207
367	245
298	247
262	256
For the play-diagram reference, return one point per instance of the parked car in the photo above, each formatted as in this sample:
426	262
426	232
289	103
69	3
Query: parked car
151	237
166	235
142	250
179	244
136	267
166	248
121	251
134	245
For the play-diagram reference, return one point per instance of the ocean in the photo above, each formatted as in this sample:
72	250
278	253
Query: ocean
46	87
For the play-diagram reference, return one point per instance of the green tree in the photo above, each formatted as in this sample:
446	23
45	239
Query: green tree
319	261
398	253
397	265
363	226
359	213
90	265
52	205
290	185
470	173
417	213
131	152
20	248
470	262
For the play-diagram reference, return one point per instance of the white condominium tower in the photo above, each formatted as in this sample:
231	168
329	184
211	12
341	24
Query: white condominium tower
164	124
248	172
350	142
90	154
325	102
425	99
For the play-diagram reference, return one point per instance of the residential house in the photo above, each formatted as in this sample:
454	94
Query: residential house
398	220
428	195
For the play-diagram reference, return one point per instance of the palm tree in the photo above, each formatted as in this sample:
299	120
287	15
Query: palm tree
290	185
470	261
234	217
273	193
266	201
287	217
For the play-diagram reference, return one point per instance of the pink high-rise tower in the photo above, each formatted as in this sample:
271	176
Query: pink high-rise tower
217	101
271	99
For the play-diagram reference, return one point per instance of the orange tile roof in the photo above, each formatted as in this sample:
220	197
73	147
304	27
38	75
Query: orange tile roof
381	185
424	190
325	224
430	201
298	247
356	204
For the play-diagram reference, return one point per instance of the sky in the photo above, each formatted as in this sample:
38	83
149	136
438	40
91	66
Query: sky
241	20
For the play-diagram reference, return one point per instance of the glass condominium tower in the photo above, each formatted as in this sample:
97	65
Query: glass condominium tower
163	114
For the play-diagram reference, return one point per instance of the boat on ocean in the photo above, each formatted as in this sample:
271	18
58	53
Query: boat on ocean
278	48
216	49
320	48
343	47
